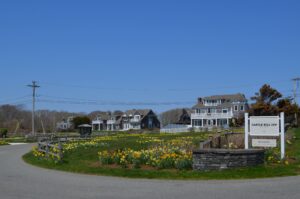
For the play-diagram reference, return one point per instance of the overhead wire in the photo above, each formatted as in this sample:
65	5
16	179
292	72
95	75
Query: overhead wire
159	89
80	101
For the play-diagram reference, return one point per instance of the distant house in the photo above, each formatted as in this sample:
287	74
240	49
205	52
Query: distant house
218	110
100	122
131	119
65	124
107	121
180	116
139	119
114	122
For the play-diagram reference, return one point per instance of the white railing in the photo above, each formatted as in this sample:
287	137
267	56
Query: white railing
111	121
211	104
211	115
134	120
97	122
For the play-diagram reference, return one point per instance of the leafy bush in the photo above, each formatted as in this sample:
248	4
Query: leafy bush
2	142
3	133
183	164
272	156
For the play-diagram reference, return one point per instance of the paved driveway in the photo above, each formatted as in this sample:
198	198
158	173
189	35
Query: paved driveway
20	180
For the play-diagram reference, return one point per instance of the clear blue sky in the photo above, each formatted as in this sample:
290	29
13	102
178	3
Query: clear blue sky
96	55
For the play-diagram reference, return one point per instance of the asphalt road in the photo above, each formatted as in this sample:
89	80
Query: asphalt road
19	180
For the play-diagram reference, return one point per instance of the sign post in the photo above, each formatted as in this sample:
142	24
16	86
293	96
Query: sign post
282	144
246	130
265	126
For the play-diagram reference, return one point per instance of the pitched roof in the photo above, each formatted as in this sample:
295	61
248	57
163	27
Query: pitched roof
228	100
142	112
175	115
223	105
230	97
103	115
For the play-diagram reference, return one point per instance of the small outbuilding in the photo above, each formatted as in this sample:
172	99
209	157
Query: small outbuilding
85	130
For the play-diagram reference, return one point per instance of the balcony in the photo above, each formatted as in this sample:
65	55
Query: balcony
135	120
211	115
97	121
111	121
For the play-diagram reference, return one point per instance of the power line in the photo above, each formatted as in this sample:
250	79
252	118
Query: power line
14	99
189	89
112	103
22	102
69	100
80	101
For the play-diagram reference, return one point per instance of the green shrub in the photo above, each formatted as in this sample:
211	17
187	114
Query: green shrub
3	132
105	158
167	163
184	164
2	142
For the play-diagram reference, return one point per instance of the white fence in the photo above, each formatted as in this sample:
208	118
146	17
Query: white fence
174	128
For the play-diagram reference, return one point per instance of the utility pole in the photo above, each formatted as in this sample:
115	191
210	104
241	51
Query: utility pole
296	86
33	86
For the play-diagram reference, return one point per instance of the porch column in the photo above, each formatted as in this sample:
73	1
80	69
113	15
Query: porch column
202	123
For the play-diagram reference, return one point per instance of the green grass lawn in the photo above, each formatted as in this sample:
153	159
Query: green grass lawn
85	160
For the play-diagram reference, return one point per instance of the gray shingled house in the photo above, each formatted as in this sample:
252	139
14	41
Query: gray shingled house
218	110
107	121
140	119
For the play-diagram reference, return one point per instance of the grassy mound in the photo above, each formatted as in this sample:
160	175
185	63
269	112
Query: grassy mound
85	159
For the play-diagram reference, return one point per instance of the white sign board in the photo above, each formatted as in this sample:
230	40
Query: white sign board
264	126
264	142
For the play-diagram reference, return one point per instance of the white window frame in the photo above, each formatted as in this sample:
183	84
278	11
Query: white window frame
235	107
242	108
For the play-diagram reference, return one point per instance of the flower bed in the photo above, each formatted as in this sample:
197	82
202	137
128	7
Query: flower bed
157	151
170	154
2	142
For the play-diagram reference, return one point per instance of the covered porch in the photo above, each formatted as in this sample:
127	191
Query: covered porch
210	122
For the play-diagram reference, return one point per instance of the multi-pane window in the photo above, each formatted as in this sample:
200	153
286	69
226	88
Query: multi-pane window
197	122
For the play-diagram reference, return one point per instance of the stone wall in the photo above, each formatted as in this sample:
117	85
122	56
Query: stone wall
224	141
218	159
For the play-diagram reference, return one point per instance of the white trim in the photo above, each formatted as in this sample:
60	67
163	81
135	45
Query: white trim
242	108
